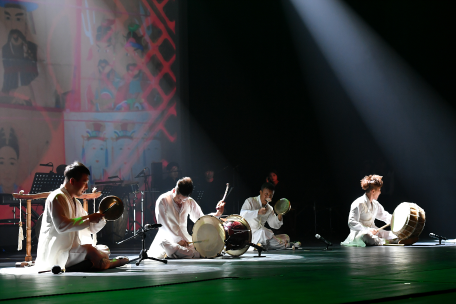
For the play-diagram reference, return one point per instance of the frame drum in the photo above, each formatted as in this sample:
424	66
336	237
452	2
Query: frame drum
282	206
208	236
408	221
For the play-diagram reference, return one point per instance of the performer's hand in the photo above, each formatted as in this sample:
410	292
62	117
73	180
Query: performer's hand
262	211
183	243
95	217
373	231
220	208
280	217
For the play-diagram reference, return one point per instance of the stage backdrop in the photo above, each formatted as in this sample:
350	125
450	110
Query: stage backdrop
88	80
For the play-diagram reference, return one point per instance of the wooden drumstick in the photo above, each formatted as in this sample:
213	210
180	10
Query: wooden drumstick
226	191
383	227
224	196
109	208
197	242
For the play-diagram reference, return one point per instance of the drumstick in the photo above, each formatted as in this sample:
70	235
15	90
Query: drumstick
109	208
381	228
226	191
197	242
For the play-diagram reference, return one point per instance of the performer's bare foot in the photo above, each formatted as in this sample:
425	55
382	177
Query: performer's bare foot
118	261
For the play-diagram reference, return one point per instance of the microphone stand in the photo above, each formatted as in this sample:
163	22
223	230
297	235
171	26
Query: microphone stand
143	254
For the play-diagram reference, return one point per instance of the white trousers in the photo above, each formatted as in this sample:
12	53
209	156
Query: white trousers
176	251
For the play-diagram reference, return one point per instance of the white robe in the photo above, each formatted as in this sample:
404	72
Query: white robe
174	223
62	232
361	218
249	211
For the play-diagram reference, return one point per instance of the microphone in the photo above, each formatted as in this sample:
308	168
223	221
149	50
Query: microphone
141	173
433	235
46	165
111	177
322	239
151	226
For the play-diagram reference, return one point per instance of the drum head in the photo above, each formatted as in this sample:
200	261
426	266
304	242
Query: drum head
282	206
239	235
117	207
208	236
400	217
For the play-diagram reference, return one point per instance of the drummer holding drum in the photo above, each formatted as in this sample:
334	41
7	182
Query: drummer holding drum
65	235
257	211
172	210
364	210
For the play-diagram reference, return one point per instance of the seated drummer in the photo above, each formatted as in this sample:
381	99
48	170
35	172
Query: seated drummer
65	235
257	212
172	210
364	210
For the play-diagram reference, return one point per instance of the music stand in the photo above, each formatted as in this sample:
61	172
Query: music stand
46	182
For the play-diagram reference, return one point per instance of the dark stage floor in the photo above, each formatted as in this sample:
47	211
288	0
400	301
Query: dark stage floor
415	274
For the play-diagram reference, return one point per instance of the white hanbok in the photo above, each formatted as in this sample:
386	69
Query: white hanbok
261	234
63	233
361	218
174	227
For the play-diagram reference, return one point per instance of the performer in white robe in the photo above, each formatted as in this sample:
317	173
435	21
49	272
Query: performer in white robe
257	212
65	235
171	210
364	210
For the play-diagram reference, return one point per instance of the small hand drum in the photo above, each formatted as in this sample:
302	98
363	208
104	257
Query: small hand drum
282	206
112	207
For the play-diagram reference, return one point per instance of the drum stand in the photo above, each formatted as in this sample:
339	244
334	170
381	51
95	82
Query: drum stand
143	254
260	249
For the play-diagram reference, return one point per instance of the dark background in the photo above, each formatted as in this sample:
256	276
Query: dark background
250	110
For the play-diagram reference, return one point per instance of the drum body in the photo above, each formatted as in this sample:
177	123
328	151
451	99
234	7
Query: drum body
210	235
238	235
408	221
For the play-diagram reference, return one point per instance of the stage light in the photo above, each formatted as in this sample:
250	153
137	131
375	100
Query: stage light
414	127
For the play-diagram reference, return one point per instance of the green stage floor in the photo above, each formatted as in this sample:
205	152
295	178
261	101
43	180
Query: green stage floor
372	275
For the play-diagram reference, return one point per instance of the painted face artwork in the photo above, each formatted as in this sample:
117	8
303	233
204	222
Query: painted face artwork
16	23
96	157
8	168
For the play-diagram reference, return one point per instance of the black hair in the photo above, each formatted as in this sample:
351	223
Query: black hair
15	5
267	186
171	165
184	186
102	32
13	141
75	170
